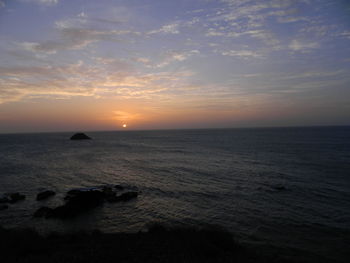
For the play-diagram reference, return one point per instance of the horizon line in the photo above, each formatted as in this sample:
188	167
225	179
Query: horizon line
179	129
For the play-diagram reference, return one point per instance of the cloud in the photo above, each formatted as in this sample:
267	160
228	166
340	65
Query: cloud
262	20
76	33
296	82
2	4
43	2
102	80
291	19
176	56
143	60
245	54
214	33
166	29
79	20
314	74
167	58
297	45
21	71
266	36
241	30
75	38
345	34
48	81
318	30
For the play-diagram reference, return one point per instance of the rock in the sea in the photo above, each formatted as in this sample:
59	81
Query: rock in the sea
45	195
15	197
124	197
72	192
43	212
86	199
280	187
80	200
119	187
3	207
4	199
78	203
128	195
76	191
108	193
80	136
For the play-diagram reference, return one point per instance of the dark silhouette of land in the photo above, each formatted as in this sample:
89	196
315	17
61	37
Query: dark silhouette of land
79	201
80	136
158	244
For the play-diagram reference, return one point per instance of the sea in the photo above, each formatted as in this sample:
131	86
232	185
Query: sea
283	191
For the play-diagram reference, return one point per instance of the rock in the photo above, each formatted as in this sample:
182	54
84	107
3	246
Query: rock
279	187
77	191
4	199
45	195
44	212
80	202
86	199
108	191
112	199
127	196
3	207
80	136
71	193
15	197
119	187
109	194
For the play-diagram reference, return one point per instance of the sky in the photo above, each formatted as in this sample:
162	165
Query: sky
78	65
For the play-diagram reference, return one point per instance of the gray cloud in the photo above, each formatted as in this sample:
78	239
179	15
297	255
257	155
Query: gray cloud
42	2
302	46
245	54
75	38
76	33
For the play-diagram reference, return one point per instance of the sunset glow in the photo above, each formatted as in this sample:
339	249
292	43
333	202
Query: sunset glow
94	65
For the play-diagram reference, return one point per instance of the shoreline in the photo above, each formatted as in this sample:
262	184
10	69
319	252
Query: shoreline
158	244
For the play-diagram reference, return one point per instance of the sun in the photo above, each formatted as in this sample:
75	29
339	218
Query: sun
124	125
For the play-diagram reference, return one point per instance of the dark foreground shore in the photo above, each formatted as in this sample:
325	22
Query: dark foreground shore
159	244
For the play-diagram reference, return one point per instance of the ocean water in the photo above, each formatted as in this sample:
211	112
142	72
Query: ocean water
284	190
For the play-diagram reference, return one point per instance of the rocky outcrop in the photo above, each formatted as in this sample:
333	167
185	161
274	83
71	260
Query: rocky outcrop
123	197
119	187
80	136
108	193
80	200
279	187
3	207
75	205
43	212
4	199
79	203
12	198
44	195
